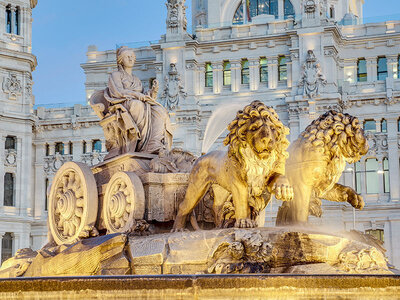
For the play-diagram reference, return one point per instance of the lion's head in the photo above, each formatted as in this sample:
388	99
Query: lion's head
339	134
259	127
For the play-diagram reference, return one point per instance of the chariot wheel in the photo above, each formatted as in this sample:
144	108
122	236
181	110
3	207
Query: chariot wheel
73	202
124	202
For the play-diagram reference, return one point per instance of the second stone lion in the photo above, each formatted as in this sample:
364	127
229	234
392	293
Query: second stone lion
243	178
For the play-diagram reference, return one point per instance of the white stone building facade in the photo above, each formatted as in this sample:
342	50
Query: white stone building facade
303	57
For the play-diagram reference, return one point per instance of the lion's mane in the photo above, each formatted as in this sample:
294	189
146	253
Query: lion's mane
338	134
236	138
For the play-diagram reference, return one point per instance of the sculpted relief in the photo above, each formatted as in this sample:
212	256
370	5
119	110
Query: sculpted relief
173	91
316	162
132	119
311	78
243	178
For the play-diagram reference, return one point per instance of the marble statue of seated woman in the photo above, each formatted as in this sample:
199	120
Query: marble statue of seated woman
140	123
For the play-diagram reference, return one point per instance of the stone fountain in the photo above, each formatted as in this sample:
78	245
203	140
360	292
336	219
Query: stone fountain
149	209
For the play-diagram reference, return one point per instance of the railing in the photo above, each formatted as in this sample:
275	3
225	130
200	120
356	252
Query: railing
59	105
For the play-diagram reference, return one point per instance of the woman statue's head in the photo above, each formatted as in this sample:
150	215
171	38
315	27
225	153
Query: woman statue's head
125	57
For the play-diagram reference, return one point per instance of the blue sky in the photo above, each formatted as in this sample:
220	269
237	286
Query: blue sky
62	30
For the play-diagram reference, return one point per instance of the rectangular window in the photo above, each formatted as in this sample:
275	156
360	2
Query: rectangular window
10	143
84	147
361	70
382	68
6	247
96	146
282	68
263	69
371	173
245	72
386	183
59	148
71	148
377	233
8	189
209	75
383	126
370	125
8	20
357	174
47	150
16	18
227	73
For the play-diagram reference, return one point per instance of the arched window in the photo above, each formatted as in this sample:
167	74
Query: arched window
377	233
263	69
361	70
8	19
261	7
238	17
6	246
245	74
71	148
288	9
96	146
17	21
227	73
383	126
47	149
8	189
10	143
59	148
332	12
371	173
386	183
382	68
282	68
84	150
209	75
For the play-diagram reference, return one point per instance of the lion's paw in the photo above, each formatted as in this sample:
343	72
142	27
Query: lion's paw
356	200
245	223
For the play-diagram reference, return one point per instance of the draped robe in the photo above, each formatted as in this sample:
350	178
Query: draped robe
150	117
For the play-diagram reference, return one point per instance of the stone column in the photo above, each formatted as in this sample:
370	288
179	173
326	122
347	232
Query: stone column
295	71
254	65
40	181
362	178
16	242
202	79
272	72
217	77
2	19
235	75
281	10
2	160
371	69
289	81
103	145
77	147
21	177
393	158
52	148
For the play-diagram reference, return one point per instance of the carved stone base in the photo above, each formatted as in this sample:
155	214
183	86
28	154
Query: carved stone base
240	251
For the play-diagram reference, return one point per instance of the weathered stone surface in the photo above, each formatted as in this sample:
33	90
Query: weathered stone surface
17	265
223	251
102	255
260	250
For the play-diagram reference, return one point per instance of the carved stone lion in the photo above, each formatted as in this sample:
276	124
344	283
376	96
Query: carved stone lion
316	162
247	174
